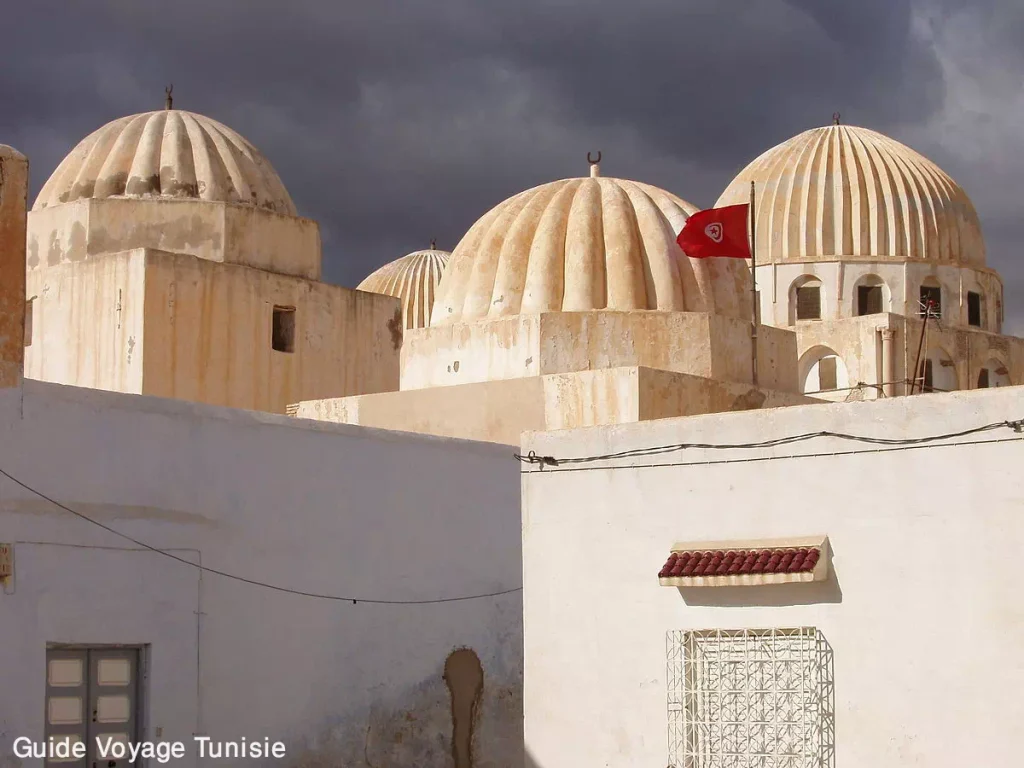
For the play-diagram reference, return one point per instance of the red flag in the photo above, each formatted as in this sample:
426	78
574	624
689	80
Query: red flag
717	232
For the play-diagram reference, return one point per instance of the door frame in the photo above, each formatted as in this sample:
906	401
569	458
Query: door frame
141	686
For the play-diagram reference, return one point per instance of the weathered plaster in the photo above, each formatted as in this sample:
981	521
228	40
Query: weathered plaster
216	231
13	204
328	508
500	411
172	325
694	343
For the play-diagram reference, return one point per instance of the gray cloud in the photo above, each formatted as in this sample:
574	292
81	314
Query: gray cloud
393	122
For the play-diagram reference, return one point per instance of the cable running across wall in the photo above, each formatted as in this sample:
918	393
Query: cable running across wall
253	582
551	461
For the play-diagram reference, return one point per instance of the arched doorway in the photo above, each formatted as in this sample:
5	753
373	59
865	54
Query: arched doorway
823	372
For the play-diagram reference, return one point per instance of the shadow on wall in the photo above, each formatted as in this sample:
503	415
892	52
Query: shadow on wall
768	595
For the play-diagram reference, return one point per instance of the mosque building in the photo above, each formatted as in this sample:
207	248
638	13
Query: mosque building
232	493
858	236
165	257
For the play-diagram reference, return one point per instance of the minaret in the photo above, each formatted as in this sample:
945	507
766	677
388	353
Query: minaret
13	210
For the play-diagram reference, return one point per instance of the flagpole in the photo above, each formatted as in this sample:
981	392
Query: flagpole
753	288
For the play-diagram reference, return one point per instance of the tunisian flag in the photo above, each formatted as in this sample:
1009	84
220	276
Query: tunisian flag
717	232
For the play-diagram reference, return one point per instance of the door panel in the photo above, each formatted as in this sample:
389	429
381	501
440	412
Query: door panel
67	697
113	694
92	694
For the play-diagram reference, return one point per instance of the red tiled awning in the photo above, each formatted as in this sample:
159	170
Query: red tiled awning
721	566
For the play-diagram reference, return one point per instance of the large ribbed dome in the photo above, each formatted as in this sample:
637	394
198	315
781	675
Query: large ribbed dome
846	191
413	279
584	244
167	154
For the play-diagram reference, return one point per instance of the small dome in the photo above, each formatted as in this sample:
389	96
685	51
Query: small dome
847	191
167	154
414	280
584	244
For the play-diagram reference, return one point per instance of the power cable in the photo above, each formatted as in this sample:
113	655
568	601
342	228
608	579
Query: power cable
551	461
253	582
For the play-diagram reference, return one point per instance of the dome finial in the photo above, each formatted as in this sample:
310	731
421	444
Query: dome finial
433	244
170	99
835	118
595	165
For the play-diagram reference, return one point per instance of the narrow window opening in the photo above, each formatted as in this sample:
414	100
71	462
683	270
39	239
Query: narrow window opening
30	306
827	379
928	385
974	309
931	295
869	299
283	332
808	302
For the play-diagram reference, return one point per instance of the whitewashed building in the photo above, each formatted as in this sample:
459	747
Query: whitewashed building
660	631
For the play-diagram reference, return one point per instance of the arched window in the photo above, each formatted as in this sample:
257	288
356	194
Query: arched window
936	373
993	374
870	296
805	299
931	295
823	371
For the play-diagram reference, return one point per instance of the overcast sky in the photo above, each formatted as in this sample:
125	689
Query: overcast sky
393	122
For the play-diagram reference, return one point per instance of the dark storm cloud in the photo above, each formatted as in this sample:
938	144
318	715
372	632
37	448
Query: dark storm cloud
395	122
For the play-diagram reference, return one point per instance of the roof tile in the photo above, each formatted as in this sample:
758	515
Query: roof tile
699	563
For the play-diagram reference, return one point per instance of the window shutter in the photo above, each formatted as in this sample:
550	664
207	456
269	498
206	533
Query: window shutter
808	303
827	374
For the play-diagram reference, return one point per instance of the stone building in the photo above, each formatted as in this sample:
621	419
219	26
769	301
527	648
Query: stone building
352	590
824	602
165	257
570	304
857	235
342	630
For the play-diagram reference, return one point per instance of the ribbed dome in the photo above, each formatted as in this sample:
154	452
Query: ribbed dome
167	154
846	191
413	279
584	244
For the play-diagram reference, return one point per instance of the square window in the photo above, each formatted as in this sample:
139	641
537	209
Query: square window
745	698
283	330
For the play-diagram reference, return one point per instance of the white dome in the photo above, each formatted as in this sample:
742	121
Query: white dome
414	280
847	191
585	244
167	154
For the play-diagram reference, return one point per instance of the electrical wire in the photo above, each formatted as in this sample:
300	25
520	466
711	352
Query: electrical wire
551	461
253	582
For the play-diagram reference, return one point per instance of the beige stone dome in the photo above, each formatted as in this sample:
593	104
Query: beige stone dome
847	191
585	244
414	280
168	154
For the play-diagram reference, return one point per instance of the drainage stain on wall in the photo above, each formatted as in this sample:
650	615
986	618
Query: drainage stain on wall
465	679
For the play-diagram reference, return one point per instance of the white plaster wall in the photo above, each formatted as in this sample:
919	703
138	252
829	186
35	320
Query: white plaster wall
317	507
839	281
923	615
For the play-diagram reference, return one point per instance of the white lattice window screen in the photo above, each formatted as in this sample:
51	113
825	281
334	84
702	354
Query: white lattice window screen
750	699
